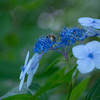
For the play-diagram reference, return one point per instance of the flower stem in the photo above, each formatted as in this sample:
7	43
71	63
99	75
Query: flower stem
81	42
70	85
70	90
69	48
87	32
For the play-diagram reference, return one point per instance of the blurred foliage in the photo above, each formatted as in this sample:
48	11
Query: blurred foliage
20	27
19	97
81	87
94	92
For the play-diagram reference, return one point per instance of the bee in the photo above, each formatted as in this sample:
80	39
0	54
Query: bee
51	37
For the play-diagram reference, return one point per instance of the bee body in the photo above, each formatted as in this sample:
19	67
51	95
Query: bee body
51	37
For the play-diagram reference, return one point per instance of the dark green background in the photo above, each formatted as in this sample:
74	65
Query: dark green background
19	30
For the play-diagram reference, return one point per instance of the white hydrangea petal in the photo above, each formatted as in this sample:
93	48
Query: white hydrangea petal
92	31
87	24
31	74
34	61
98	36
97	31
29	70
85	65
86	21
27	56
97	20
36	55
28	66
29	79
96	25
94	47
96	59
35	69
21	83
21	74
88	27
80	51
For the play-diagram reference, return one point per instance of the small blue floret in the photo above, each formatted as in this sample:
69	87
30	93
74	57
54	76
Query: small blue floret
90	55
23	69
93	21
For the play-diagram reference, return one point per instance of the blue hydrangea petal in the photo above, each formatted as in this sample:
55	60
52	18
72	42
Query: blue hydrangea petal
33	66
97	61
34	59
92	31
31	74
85	21
35	69
97	21
26	60
87	24
98	36
27	67
29	79
85	65
27	56
21	83
94	47
21	75
34	62
80	51
97	25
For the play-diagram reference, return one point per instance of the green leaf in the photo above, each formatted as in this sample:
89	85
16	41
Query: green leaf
94	93
51	65
31	90
78	90
55	80
69	75
15	91
20	97
34	88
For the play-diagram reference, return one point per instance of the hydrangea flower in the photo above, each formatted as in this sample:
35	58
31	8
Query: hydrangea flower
88	56
22	75
30	68
87	21
92	32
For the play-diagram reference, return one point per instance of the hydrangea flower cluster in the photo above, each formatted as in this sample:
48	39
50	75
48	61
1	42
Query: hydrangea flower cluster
67	37
70	36
43	44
